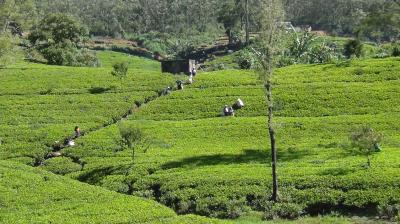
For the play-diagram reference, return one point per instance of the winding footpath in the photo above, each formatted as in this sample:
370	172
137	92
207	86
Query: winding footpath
60	145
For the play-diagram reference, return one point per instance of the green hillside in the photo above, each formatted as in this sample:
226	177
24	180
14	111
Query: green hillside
93	131
200	162
29	195
42	104
217	166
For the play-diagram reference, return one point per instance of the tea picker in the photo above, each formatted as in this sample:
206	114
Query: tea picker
179	85
166	91
77	132
228	111
238	105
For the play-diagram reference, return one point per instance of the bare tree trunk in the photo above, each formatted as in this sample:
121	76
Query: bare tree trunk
271	39
271	130
247	23
229	33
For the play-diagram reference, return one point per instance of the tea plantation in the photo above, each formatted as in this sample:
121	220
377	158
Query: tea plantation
199	162
217	166
30	195
41	104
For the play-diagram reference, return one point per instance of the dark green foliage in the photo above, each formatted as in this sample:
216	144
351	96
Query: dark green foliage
353	48
66	54
17	16
58	28
57	37
396	51
334	16
174	45
247	60
359	71
382	23
124	18
120	70
229	17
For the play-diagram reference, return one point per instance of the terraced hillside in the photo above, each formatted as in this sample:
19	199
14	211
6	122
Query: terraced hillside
200	162
42	104
29	195
218	166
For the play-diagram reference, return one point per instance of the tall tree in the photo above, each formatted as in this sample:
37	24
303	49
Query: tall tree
382	23
247	22
58	28
16	15
271	21
229	16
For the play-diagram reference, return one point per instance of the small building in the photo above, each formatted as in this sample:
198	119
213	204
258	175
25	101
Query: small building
178	66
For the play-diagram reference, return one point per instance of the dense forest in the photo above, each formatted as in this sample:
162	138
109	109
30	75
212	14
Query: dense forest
122	18
175	29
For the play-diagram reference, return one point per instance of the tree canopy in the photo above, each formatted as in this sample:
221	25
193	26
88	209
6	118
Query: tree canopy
121	18
58	28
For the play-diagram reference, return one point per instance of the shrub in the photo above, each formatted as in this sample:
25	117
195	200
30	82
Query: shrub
353	48
322	53
285	60
359	71
284	210
66	54
120	70
366	141
32	54
396	51
87	58
300	46
115	183
235	208
247	60
215	67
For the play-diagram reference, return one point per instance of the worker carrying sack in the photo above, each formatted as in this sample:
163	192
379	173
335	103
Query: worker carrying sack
179	84
238	105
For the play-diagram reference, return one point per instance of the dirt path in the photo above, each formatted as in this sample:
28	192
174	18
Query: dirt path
60	145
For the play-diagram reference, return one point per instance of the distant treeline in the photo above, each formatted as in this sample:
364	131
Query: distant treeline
120	18
115	17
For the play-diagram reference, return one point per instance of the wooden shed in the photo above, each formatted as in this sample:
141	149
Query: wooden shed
178	66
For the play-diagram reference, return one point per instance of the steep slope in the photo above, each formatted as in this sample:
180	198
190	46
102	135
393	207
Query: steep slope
219	166
28	195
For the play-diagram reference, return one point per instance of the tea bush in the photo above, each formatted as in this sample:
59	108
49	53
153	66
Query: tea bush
61	165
